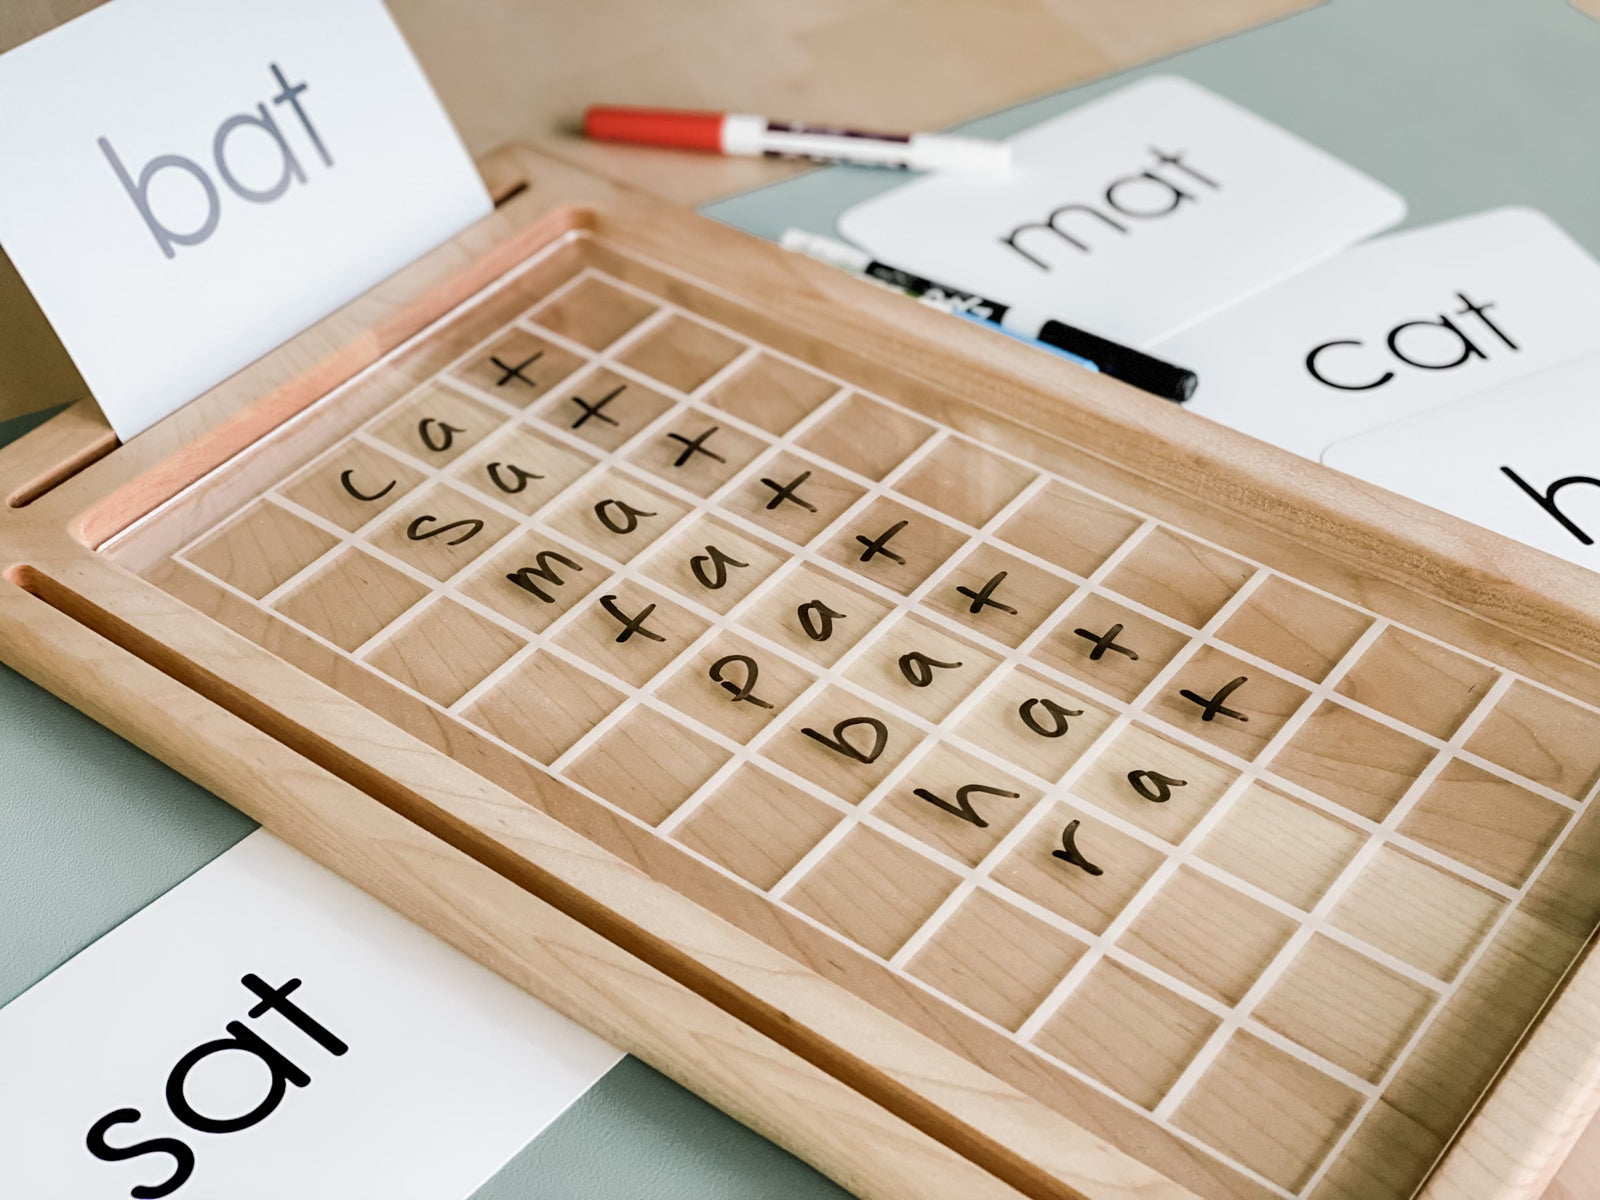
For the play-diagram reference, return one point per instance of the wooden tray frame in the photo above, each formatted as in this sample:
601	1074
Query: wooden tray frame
877	1106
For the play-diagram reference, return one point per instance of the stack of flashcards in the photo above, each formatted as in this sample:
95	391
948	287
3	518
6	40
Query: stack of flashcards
1395	327
1520	459
1136	215
1168	217
1431	362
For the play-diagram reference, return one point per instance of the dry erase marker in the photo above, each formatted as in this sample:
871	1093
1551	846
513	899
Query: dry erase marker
1131	366
934	298
757	137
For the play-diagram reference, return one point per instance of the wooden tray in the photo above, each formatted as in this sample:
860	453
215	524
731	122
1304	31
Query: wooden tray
980	777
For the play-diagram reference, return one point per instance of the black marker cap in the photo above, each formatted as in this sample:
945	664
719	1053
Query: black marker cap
1132	366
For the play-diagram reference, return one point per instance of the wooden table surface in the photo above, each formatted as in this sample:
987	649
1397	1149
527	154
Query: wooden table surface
523	70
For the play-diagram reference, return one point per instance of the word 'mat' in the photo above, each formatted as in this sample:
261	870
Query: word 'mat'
1438	343
1157	191
261	127
241	1039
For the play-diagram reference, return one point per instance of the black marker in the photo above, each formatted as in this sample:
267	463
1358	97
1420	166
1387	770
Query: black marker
1131	366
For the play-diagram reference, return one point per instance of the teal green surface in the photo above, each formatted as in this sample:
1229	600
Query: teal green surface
1460	105
638	1136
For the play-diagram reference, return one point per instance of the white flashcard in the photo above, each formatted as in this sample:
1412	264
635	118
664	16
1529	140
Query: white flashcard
1132	216
189	183
1522	459
266	1030
1393	327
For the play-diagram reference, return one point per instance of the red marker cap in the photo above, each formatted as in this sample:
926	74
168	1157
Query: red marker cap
655	127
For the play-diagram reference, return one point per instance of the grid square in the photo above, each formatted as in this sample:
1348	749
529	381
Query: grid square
1416	912
1063	725
950	776
995	959
757	825
815	614
1418	682
1485	822
921	668
872	890
593	313
1352	760
521	469
1178	576
518	367
866	436
1072	644
603	408
893	545
792	497
714	564
261	549
1070	528
1566	892
681	352
349	599
838	753
533	580
1542	737
1343	1006
1284	847
646	764
966	481
353	484
630	632
1201	931
542	706
1089	901
1468	1043
439	531
1263	701
734	687
444	651
1123	781
696	452
771	393
1269	1111
614	515
998	594
1292	627
437	424
1385	1156
1127	1031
